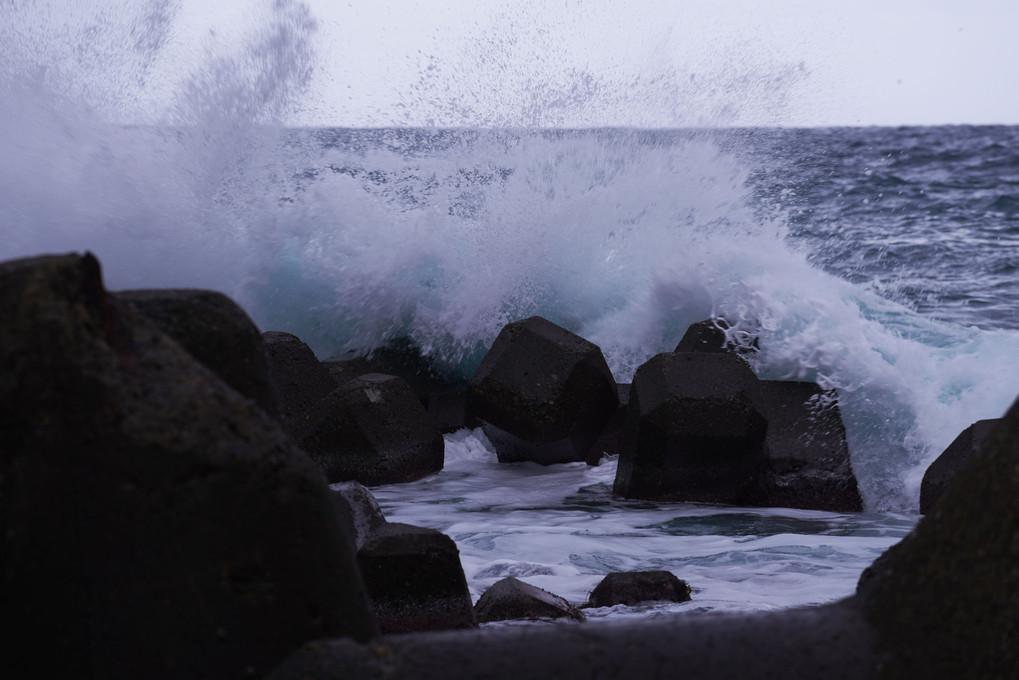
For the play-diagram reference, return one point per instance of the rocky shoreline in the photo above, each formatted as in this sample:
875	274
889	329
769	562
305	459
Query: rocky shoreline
166	508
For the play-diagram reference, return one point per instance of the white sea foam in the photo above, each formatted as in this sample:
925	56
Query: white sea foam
558	528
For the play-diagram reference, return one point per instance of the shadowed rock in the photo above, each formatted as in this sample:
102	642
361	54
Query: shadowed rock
214	330
511	598
694	431
544	394
710	336
298	377
154	523
808	457
403	358
415	580
633	587
372	430
945	601
944	469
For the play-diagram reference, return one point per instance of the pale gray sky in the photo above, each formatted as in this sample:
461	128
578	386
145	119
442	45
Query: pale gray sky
660	62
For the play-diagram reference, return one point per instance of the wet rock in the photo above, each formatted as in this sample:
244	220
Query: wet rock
543	393
415	580
214	330
610	441
149	511
633	587
298	377
808	457
710	336
944	602
694	431
372	430
359	512
953	459
448	410
511	598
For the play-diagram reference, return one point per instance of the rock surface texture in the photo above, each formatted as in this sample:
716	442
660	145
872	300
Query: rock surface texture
214	330
415	580
298	377
511	598
808	456
372	430
944	469
694	431
155	524
543	393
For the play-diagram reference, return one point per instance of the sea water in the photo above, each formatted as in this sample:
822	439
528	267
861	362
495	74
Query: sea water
879	262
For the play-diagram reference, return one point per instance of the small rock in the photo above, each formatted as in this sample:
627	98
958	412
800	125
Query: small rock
633	587
511	598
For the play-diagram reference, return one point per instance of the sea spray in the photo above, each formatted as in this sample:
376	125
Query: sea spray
171	162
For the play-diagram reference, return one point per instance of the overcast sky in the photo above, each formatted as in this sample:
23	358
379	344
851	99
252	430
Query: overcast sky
661	63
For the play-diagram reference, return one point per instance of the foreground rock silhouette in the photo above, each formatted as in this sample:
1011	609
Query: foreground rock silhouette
154	523
944	602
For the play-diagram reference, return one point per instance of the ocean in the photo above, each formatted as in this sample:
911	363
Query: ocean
879	262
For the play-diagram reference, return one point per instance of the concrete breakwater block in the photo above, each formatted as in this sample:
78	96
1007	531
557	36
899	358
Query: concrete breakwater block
543	393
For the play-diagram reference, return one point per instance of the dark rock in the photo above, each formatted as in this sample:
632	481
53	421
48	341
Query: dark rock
513	599
448	410
154	523
633	587
831	642
403	358
709	336
298	377
214	330
610	441
372	430
415	580
694	431
953	459
359	512
808	457
944	602
544	394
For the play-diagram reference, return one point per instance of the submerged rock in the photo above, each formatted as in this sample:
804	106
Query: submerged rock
944	469
543	393
511	598
633	587
694	431
415	580
372	430
154	523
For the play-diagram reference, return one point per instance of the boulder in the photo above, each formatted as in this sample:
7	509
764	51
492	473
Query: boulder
298	377
448	410
358	511
214	330
154	523
372	430
511	598
953	459
694	431
944	602
808	457
633	587
543	393
415	580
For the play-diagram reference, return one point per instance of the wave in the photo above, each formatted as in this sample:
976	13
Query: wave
353	238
